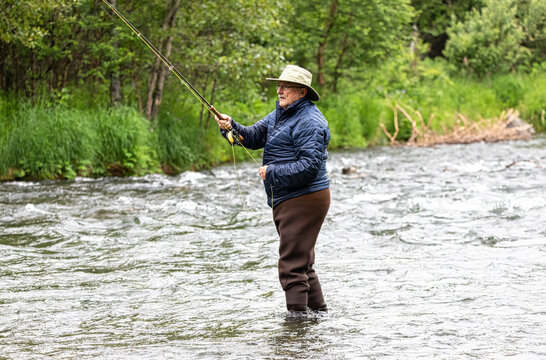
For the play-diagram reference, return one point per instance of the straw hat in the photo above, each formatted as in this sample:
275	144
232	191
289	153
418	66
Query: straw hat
300	76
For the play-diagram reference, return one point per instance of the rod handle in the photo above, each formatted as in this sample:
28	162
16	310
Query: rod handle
213	110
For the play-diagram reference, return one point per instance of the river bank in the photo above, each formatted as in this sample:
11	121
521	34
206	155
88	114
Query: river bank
63	138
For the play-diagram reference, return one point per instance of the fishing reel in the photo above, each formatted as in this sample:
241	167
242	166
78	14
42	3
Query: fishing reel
233	137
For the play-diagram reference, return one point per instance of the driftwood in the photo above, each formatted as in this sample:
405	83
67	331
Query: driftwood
508	126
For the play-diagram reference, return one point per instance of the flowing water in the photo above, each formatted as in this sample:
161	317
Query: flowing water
436	253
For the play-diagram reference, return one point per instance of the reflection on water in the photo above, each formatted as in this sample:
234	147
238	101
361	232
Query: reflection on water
297	339
426	253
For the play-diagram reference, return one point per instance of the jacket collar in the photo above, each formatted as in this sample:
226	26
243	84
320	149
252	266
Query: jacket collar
292	108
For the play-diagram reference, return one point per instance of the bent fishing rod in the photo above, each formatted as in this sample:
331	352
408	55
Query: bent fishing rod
232	135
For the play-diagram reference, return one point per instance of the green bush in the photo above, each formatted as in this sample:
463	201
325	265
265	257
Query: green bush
353	117
125	146
47	143
489	41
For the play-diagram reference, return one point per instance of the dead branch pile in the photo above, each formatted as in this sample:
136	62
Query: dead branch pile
508	126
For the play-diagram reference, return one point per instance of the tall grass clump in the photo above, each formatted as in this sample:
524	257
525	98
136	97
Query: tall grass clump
353	117
52	142
47	143
189	138
444	99
125	144
180	143
533	103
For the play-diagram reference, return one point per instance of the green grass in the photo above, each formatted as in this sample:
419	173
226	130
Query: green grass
68	135
51	142
353	118
441	97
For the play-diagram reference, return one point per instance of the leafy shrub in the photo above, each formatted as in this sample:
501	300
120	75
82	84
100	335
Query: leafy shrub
533	102
353	117
47	143
489	41
125	142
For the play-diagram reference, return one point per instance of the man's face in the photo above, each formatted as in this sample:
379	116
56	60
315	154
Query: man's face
289	93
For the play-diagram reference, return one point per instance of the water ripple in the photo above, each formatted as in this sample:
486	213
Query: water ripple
426	253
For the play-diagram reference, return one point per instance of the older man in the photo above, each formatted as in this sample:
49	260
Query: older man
295	138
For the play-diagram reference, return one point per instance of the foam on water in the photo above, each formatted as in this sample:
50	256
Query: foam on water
426	253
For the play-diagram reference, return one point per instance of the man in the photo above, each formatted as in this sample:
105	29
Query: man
295	138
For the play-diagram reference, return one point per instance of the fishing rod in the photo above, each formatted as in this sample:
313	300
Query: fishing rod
232	135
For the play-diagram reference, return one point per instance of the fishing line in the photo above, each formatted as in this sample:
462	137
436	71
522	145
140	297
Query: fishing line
233	136
237	179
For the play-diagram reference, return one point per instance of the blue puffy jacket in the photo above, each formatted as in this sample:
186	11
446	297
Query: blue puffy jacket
295	144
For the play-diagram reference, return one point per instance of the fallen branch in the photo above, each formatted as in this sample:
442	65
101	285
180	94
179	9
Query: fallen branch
508	126
392	137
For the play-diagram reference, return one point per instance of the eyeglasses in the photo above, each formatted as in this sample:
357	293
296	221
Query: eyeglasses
287	86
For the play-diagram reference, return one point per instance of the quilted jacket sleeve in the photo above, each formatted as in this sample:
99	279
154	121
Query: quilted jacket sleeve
255	135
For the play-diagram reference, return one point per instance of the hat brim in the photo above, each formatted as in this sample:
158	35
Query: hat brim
313	94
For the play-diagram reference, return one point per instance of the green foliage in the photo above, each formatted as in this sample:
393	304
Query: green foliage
426	86
353	117
46	143
493	40
56	142
357	35
58	59
405	71
23	21
532	15
125	141
435	16
40	36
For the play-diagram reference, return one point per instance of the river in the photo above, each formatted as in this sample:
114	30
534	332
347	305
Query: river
433	253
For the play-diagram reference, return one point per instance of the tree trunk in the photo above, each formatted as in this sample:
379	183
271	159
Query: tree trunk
159	71
115	78
3	60
328	24
137	88
342	52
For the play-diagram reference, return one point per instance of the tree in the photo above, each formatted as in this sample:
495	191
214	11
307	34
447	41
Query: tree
159	72
226	48
532	16
345	36
222	47
489	40
115	77
36	38
434	18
